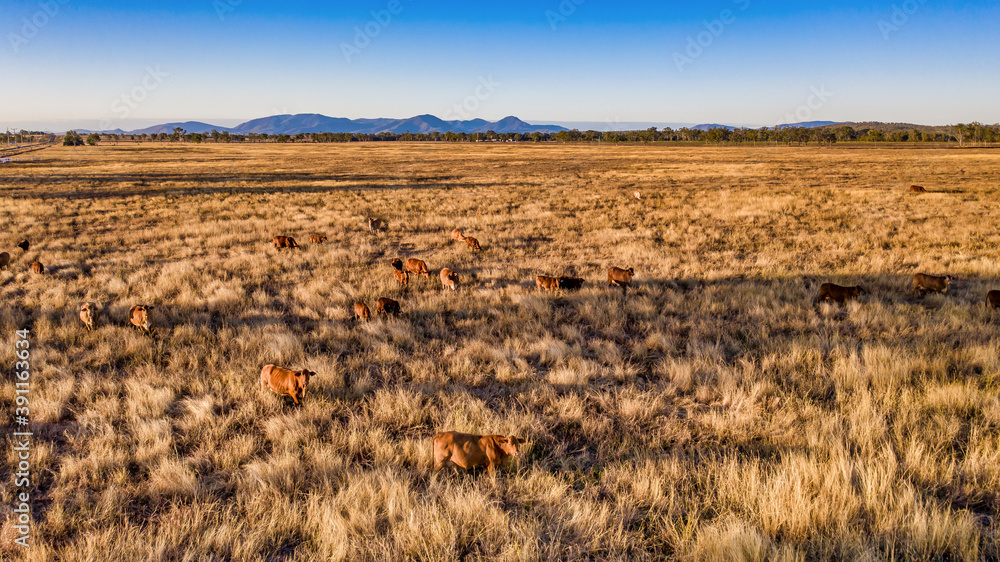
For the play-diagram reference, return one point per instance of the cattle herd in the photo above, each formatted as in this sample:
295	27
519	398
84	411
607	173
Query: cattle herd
451	448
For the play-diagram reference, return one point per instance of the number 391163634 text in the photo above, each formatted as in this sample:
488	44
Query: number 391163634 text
21	438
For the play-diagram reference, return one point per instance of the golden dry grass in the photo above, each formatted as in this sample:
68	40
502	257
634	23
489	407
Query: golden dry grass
713	413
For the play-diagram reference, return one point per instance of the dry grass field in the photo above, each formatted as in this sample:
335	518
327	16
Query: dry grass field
715	412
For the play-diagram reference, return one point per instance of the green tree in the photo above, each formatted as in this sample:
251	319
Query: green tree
72	138
93	139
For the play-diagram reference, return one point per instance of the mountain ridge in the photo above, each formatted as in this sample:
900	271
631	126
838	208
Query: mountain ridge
306	123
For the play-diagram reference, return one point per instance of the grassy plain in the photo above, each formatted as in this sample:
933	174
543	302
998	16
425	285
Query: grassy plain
713	413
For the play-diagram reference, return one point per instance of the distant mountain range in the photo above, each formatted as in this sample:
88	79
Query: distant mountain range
316	123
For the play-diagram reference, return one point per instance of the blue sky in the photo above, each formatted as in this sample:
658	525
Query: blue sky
88	63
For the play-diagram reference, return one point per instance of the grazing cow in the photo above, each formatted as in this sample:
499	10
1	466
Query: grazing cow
284	242
457	235
473	244
449	279
417	267
546	283
23	244
620	277
376	225
469	451
4	260
570	283
285	381
137	315
386	306
401	276
993	299
361	311
317	238
37	267
925	282
917	189
89	314
397	264
836	293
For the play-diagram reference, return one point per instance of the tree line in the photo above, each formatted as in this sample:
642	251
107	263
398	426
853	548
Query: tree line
964	134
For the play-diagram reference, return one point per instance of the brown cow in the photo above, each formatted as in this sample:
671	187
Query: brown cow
473	244
397	263
417	267
361	311
285	381
401	276
469	451
376	225
284	242
37	267
137	315
837	293
4	260
925	282
917	189
570	283
90	314
620	277
317	238
23	244
993	299
546	283
456	234
449	279
386	306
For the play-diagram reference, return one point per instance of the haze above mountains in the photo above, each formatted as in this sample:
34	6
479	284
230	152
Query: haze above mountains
317	123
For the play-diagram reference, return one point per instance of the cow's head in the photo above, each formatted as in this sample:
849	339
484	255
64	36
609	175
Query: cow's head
947	280
859	290
508	444
397	263
302	379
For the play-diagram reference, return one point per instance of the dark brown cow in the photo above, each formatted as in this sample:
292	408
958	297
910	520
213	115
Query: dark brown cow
473	244
837	293
387	306
993	299
23	244
468	451
397	264
361	311
317	238
401	276
417	267
4	260
285	381
620	277
37	267
925	282
570	283
138	316
543	283
284	242
917	189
